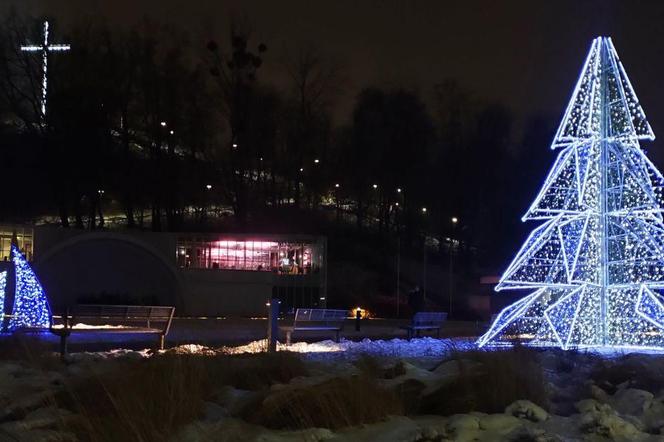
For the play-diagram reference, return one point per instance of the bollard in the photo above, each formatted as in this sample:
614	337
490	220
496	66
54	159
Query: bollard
358	318
272	325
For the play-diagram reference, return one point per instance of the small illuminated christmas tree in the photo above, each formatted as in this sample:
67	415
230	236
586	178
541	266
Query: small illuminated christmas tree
597	262
3	288
31	308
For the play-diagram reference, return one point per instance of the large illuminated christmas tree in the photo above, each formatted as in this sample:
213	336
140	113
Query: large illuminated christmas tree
597	262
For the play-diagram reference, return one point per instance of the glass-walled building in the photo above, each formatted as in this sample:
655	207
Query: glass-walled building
23	236
283	257
296	261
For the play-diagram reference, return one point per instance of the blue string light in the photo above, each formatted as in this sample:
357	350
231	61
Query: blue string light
598	260
31	308
3	289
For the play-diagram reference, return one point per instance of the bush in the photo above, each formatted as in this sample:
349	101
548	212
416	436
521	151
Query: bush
637	371
336	403
256	371
144	400
149	399
371	367
33	350
489	381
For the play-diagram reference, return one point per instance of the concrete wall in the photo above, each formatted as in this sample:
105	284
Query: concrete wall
227	292
79	267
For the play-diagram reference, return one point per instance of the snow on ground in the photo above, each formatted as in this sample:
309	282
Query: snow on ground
623	413
82	326
397	348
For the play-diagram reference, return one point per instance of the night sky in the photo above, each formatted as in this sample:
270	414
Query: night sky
523	54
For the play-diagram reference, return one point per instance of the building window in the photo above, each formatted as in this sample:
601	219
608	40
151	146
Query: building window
281	257
24	239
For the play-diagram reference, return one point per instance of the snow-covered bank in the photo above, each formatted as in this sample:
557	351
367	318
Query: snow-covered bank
592	395
395	348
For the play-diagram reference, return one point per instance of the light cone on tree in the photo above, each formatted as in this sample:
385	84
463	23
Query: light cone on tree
596	263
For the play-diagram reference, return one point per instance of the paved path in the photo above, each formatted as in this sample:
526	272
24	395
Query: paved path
237	331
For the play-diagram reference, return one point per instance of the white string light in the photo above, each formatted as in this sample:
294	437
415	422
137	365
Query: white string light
45	48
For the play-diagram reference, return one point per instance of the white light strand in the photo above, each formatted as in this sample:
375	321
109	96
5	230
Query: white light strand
45	48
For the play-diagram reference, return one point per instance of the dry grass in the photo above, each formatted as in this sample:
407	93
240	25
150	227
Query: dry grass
148	400
636	371
140	401
373	368
30	349
257	371
489	381
336	403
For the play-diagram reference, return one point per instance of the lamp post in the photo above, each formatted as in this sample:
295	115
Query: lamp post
398	271
336	200
450	277
424	258
398	231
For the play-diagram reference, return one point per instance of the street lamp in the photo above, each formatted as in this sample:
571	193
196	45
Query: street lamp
208	186
163	124
375	186
316	161
398	189
424	259
450	275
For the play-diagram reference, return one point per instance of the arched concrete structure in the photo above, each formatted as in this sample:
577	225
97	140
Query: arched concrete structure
108	267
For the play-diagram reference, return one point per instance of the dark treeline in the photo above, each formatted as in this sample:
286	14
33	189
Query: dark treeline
164	134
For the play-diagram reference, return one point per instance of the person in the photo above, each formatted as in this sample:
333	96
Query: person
416	299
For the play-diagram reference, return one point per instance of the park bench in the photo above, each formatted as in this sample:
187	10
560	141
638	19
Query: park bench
133	319
423	321
317	319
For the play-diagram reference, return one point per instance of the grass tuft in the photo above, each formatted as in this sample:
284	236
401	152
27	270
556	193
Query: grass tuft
29	349
489	381
334	404
636	371
143	400
148	400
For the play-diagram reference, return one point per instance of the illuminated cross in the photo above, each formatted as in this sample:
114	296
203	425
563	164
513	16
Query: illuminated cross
45	48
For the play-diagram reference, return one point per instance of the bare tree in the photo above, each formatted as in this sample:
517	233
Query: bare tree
20	73
315	81
235	75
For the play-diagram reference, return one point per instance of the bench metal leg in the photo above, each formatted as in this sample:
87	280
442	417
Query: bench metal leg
161	342
63	347
288	337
